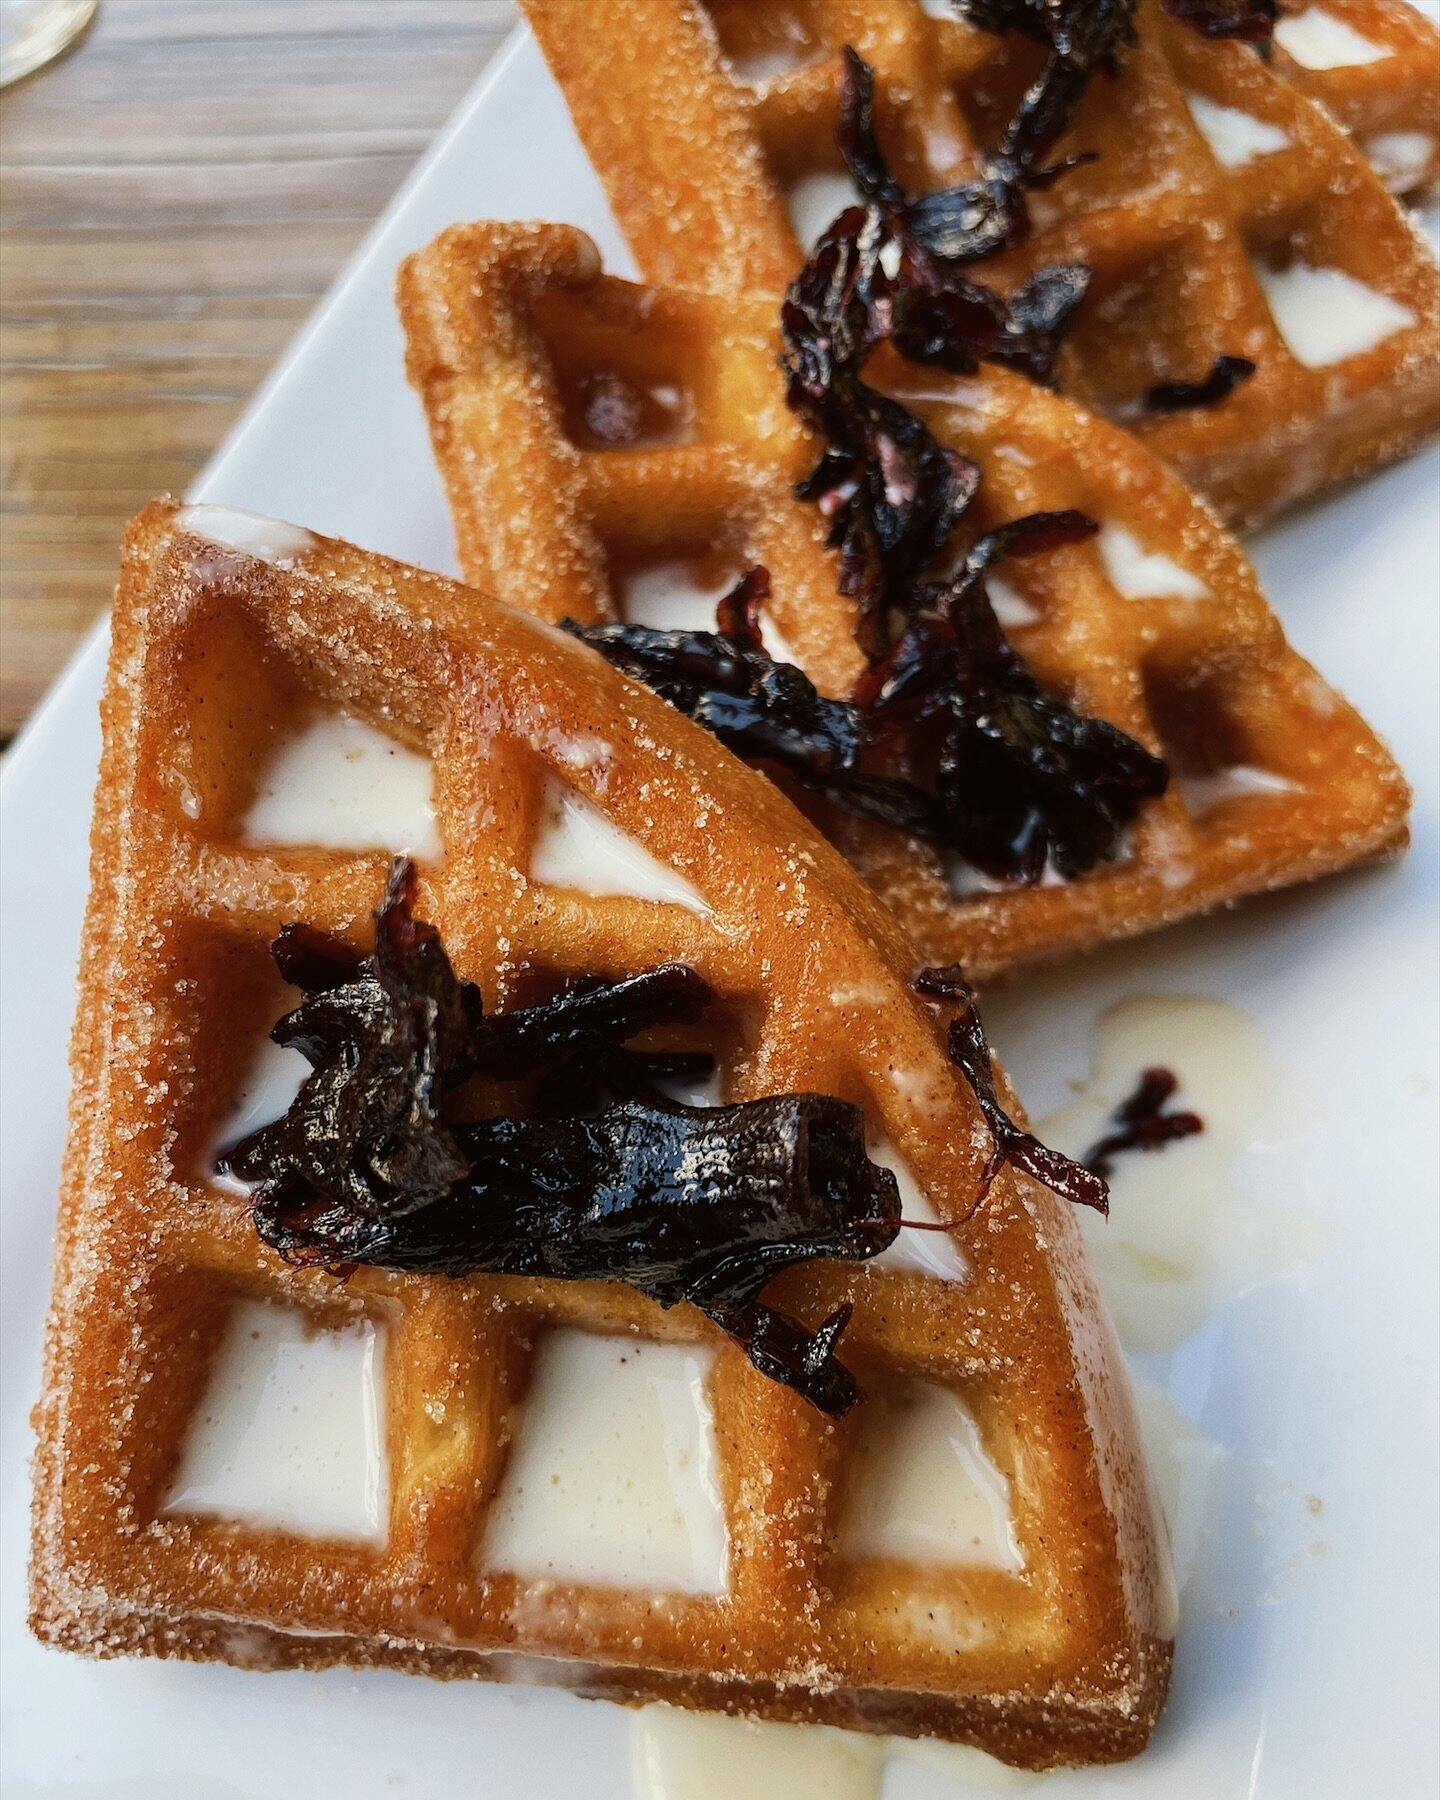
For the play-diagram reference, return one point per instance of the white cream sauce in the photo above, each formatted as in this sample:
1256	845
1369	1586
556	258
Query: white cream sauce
613	1476
579	848
682	1755
921	1487
291	1430
703	1090
790	48
1203	793
1140	574
964	879
922	1252
1010	606
1325	315
1236	137
1400	158
1183	1462
675	596
1181	1239
342	785
270	1082
815	200
971	1768
271	540
1318	40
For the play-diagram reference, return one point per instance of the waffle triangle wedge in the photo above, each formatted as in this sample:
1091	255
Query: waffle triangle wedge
526	356
234	641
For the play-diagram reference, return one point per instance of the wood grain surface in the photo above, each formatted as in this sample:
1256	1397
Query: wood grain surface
174	197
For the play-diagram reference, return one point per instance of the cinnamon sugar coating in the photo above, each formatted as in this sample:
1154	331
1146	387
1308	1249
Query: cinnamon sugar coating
509	326
217	656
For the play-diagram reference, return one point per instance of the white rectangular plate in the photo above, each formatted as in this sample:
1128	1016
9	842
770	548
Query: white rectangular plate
1307	1663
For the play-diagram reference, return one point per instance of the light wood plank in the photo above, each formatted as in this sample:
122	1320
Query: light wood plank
177	195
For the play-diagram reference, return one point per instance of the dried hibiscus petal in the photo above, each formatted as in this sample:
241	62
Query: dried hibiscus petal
1087	33
1006	776
788	1353
587	1015
605	1179
766	712
1024	782
386	1043
737	614
1253	21
987	212
970	1052
1226	374
893	496
895	267
315	960
763	710
1141	1122
963	323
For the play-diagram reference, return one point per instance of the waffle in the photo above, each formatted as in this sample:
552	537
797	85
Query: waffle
521	348
726	123
1389	101
1058	1652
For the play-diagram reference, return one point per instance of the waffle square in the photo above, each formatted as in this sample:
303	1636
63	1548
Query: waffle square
717	149
526	355
232	638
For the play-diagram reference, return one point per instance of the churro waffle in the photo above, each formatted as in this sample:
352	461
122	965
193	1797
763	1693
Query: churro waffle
1224	214
611	450
241	648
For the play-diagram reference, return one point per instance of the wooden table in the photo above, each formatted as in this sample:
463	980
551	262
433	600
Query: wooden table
176	195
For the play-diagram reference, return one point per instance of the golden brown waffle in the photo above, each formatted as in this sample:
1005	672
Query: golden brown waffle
1388	100
729	116
218	658
521	349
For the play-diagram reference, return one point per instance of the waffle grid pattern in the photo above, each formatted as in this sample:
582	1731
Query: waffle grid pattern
1397	92
509	326
698	163
214	655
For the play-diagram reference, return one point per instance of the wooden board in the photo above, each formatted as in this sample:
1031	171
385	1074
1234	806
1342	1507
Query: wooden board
177	193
